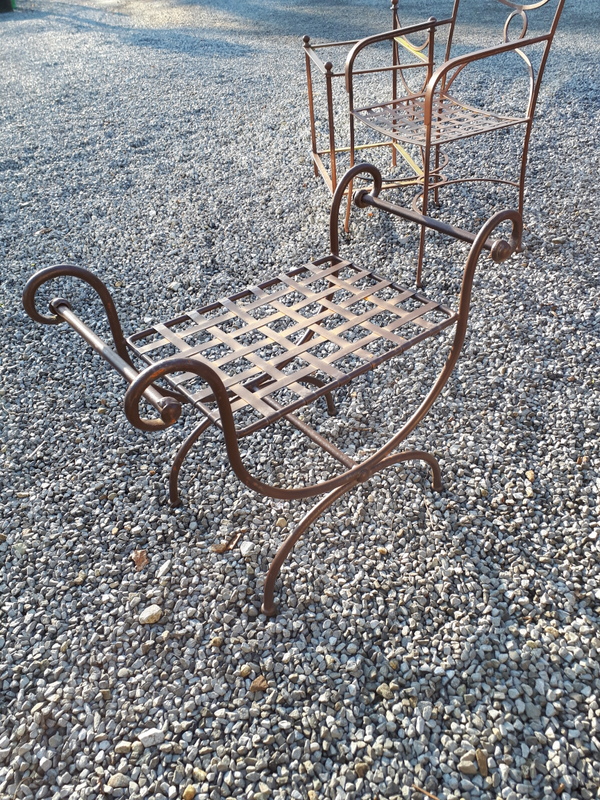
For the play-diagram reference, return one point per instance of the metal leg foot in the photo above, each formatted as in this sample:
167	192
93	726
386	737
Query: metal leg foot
421	455
268	606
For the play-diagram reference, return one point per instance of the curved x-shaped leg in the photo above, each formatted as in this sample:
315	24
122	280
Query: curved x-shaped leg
185	448
268	606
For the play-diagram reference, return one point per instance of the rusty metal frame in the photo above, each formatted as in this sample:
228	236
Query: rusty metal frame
423	59
435	117
313	318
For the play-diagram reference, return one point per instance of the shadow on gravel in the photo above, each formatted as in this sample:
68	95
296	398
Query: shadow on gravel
198	27
196	40
214	17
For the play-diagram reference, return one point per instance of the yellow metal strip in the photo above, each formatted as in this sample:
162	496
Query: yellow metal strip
356	147
402	40
409	159
323	171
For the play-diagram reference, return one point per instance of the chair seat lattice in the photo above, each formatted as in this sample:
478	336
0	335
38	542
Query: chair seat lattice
282	344
403	119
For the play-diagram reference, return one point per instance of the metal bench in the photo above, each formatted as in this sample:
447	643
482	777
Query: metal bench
255	358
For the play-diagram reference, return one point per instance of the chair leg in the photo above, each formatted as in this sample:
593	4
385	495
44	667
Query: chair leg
436	190
424	206
311	106
185	448
269	607
421	455
348	209
331	407
349	189
522	175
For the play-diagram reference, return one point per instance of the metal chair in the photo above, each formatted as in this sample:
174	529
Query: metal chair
251	360
436	116
405	57
422	117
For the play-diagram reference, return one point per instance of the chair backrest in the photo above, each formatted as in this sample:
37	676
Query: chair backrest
519	10
541	15
397	23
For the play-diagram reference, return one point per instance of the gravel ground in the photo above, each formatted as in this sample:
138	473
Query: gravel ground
446	641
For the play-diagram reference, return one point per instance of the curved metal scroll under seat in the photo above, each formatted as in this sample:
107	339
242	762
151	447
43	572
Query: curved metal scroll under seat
252	359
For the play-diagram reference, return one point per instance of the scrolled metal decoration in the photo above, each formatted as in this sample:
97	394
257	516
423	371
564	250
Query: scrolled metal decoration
523	6
514	15
48	274
269	390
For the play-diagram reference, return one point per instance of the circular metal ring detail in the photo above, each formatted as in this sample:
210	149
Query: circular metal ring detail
512	16
524	6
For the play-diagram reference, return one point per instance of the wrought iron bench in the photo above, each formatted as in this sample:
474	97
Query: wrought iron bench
253	359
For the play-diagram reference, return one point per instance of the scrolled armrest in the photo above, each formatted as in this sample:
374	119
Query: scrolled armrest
170	409
71	270
501	251
340	191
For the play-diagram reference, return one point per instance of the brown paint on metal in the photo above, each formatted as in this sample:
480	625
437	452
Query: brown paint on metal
433	117
307	308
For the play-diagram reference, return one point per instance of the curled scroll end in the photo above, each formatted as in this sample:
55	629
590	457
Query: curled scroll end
359	198
170	410
29	293
168	407
501	251
55	304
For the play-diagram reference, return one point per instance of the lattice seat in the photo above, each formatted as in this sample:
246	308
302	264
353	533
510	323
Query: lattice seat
325	322
404	120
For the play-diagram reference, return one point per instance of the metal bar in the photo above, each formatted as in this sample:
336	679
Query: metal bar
408	158
311	108
333	44
330	122
269	607
367	199
124	369
469	58
369	146
403	41
382	37
320	65
370	70
187	445
321	167
323	443
390	184
395	60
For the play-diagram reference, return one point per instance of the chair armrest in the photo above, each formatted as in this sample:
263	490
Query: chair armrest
310	50
459	62
431	24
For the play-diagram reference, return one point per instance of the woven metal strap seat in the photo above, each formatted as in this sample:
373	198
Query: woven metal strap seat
452	119
252	359
327	320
